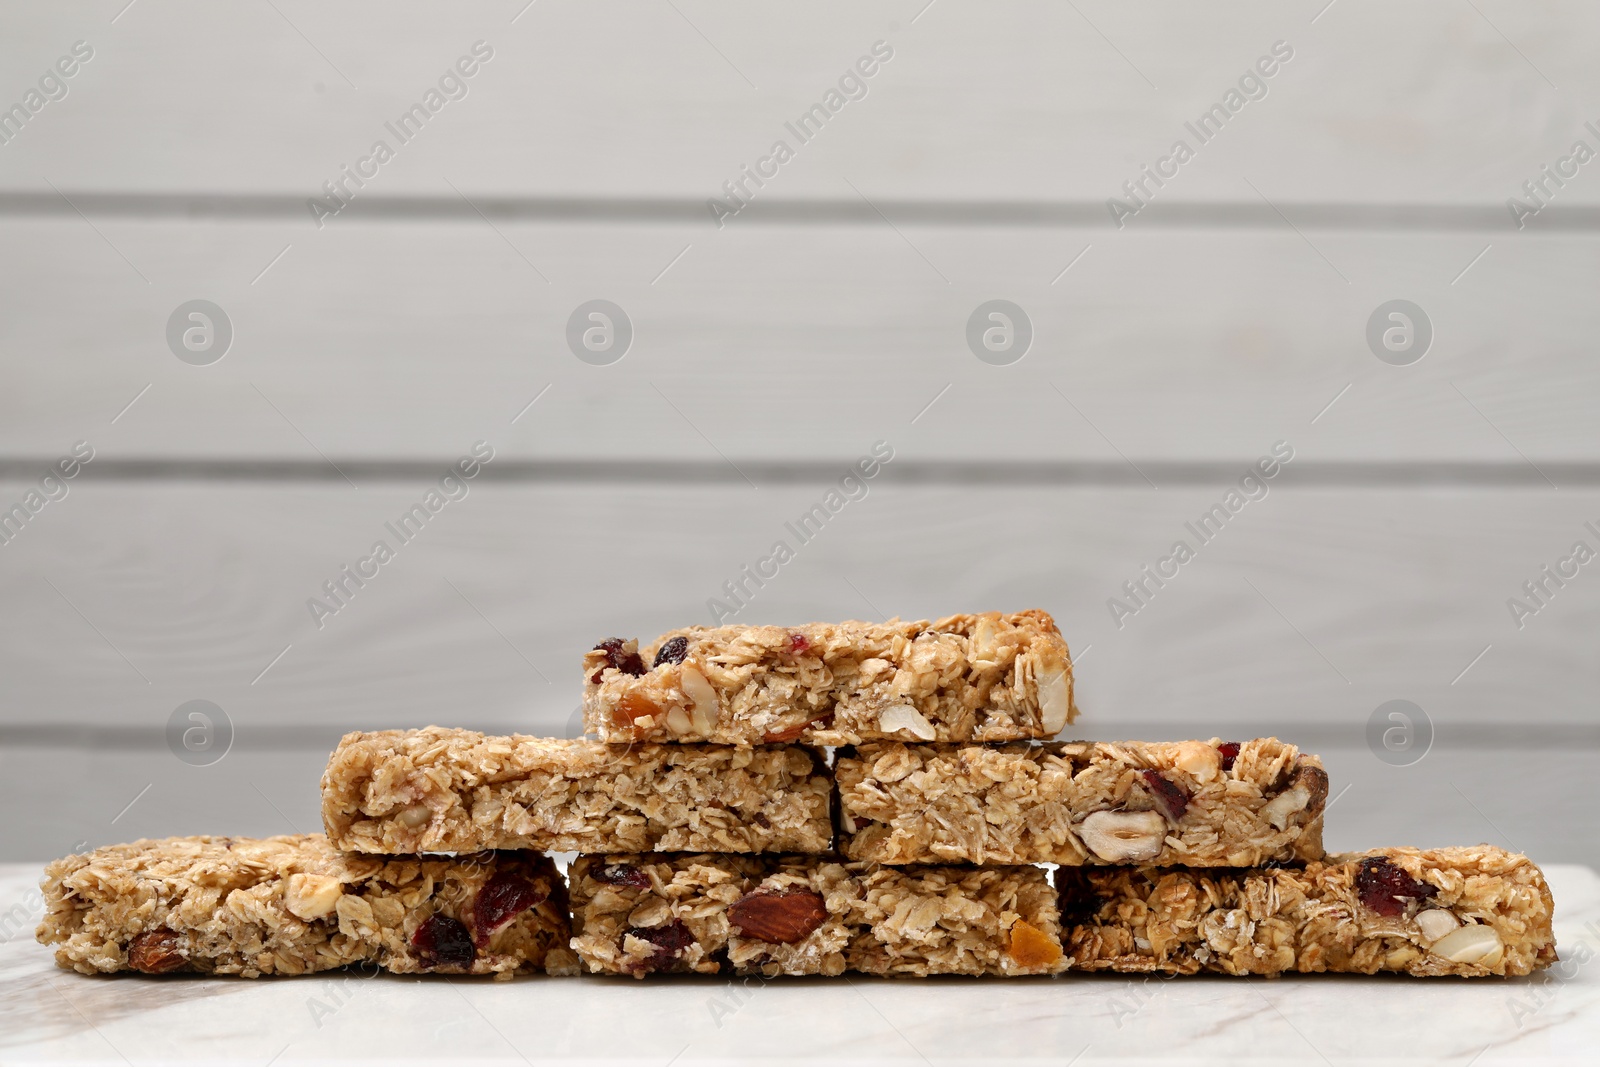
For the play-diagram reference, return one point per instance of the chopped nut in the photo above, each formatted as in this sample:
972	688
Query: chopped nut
1470	944
1436	922
1031	948
899	717
1398	957
312	896
1310	785
155	952
704	722
678	721
1198	760
983	648
415	816
1055	699
704	698
1279	808
1124	836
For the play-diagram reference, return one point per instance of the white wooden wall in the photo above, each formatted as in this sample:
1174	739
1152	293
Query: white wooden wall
768	354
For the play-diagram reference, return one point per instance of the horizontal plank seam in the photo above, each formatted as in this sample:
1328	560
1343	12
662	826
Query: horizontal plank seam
1509	474
1073	214
1478	736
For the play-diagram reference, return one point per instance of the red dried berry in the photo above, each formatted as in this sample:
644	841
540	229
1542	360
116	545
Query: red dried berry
1079	901
1230	752
618	658
1169	795
798	644
443	942
1387	889
502	898
620	874
672	651
669	941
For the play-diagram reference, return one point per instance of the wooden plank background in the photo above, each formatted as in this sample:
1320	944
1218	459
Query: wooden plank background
1169	354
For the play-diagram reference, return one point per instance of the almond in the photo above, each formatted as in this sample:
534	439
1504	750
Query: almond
778	918
697	688
678	722
1470	944
1055	698
155	952
1435	923
784	736
898	717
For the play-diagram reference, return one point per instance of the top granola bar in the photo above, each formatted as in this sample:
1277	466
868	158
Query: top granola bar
987	677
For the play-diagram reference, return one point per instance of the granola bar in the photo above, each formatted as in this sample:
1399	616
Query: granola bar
771	915
442	790
1196	803
295	905
1460	911
986	677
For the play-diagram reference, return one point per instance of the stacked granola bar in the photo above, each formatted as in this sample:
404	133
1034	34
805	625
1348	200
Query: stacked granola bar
968	679
820	799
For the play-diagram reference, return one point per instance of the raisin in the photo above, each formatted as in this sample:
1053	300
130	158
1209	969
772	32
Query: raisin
1387	889
1169	795
155	952
1230	752
502	898
673	651
618	658
620	874
669	941
443	942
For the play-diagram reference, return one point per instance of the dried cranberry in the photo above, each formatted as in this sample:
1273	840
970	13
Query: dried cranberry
620	874
502	898
798	644
618	659
673	651
443	941
1169	795
669	941
1079	903
1230	752
1386	889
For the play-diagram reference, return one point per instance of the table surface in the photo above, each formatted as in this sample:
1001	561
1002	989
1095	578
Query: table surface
52	1016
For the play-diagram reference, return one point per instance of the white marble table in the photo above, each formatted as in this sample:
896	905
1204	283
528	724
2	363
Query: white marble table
51	1016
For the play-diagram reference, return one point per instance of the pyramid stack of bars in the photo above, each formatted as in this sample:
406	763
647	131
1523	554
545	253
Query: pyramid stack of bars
820	799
